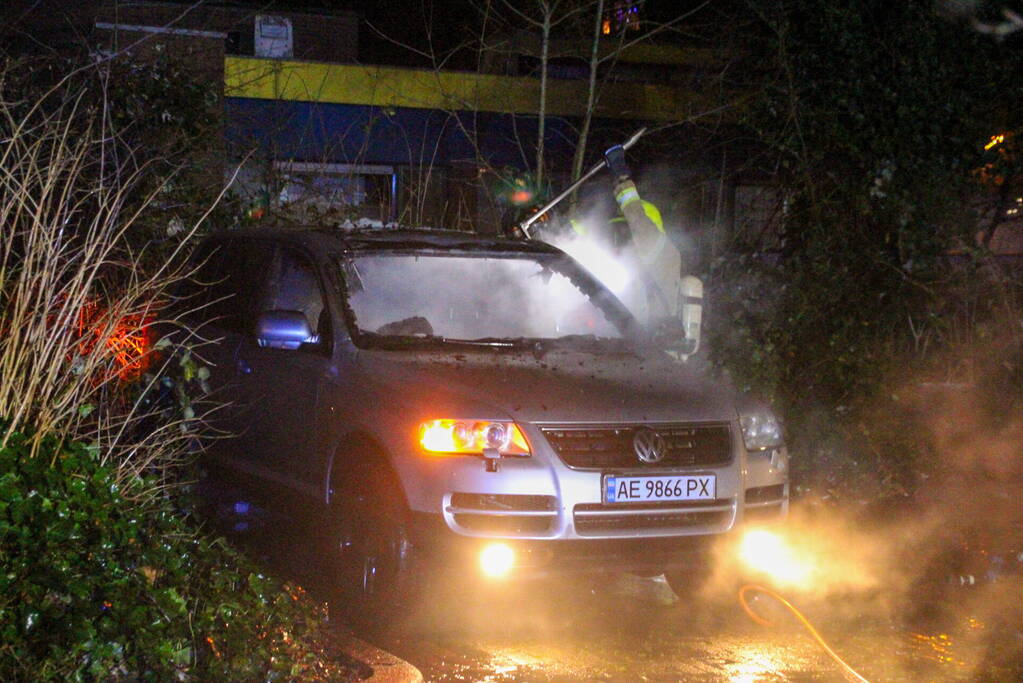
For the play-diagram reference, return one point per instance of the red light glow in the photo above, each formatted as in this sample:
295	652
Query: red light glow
128	343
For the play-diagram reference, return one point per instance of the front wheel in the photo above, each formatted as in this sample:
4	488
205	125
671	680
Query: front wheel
373	574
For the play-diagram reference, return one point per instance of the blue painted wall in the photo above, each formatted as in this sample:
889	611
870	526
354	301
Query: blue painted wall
338	133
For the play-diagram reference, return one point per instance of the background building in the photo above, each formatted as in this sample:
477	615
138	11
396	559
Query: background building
335	121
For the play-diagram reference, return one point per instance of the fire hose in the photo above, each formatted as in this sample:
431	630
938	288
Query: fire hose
849	673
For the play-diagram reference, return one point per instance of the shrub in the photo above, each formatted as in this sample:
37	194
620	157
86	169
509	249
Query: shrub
99	587
101	576
75	293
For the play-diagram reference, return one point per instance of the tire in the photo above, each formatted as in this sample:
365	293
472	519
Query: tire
371	558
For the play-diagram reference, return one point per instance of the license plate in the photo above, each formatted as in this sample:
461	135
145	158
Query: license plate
648	489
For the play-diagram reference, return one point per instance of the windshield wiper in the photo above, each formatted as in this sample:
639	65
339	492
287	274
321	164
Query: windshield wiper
538	346
487	342
388	341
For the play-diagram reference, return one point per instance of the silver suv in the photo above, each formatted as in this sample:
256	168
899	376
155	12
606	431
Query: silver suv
442	399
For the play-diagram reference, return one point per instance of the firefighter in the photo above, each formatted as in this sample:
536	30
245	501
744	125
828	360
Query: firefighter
657	261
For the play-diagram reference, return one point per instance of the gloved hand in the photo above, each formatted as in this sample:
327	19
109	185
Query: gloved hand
615	157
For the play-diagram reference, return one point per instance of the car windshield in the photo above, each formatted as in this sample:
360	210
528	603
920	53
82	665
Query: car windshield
505	299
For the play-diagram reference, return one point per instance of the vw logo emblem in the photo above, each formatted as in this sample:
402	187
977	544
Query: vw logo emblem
649	445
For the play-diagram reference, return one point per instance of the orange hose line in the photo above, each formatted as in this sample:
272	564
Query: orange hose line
850	673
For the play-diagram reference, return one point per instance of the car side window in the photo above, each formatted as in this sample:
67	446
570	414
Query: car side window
228	284
203	294
295	287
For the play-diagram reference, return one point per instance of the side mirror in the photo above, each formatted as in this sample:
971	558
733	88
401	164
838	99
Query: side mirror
692	312
283	330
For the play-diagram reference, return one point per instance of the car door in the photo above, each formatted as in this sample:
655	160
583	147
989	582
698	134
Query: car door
285	384
220	305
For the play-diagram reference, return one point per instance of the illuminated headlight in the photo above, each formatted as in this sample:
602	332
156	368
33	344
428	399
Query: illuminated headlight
470	437
760	430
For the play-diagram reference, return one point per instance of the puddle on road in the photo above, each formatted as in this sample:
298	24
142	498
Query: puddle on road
633	629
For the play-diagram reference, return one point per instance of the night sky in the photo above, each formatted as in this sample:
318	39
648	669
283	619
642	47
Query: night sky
458	23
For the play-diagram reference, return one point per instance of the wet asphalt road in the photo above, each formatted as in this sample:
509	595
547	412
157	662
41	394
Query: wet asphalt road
633	629
628	628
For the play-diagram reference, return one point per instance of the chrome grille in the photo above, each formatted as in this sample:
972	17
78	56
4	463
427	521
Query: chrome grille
609	447
505	514
503	501
598	519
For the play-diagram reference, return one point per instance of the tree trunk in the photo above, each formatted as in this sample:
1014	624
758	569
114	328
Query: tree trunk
542	119
591	98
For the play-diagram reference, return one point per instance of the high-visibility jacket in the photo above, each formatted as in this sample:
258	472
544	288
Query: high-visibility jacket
651	211
655	256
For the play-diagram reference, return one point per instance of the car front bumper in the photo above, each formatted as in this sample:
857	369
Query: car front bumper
443	549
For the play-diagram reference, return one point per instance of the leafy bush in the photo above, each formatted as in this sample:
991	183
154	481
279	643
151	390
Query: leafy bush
101	577
97	586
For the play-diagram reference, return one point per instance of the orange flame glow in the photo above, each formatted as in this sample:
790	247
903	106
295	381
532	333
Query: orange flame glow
129	342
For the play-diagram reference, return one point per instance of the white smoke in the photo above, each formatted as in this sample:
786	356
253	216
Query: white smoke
597	258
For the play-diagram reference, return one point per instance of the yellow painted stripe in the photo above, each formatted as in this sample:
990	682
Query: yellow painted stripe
425	89
650	53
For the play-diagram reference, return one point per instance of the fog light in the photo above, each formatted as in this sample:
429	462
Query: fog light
767	552
496	560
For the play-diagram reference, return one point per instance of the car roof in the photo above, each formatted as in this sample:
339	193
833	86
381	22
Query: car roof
326	241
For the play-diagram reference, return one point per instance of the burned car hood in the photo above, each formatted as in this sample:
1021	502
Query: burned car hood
560	387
